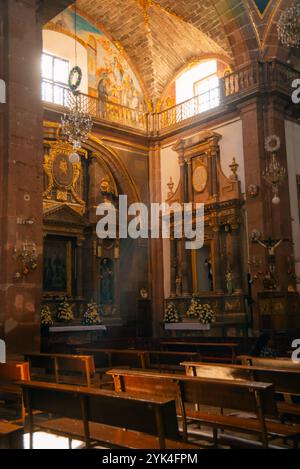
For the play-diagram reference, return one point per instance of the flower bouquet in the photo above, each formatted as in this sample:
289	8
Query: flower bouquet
171	314
202	313
91	317
46	317
64	313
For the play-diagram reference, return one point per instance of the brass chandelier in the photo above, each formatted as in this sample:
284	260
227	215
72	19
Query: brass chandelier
76	124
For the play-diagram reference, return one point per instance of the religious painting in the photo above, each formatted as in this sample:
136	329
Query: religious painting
110	77
58	266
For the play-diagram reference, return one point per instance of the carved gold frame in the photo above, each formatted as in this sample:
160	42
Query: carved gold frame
58	148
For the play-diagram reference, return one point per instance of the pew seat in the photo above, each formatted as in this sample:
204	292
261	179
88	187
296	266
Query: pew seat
11	436
105	434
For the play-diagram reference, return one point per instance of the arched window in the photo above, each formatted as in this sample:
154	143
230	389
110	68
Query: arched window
201	82
57	60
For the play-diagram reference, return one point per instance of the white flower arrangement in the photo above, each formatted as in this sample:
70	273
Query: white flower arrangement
171	314
202	313
46	316
91	317
64	313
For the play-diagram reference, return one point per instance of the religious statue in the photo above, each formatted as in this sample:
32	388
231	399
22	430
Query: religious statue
107	281
271	245
229	282
269	282
208	265
178	286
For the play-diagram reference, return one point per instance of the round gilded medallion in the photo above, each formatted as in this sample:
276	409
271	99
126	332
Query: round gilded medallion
199	178
63	171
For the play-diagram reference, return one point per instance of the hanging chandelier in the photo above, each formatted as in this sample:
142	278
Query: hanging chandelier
274	173
76	124
288	26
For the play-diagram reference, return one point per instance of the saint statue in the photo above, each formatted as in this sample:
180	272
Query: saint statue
208	265
178	286
107	281
229	282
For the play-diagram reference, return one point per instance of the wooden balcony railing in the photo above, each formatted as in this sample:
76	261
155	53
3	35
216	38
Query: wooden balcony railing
254	78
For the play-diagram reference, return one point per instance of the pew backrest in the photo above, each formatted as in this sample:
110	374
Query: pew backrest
14	371
285	380
278	363
151	415
245	396
59	367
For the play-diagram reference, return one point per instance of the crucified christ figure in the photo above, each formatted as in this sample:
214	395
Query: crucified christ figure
271	245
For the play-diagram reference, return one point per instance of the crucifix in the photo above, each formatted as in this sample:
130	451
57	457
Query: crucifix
271	245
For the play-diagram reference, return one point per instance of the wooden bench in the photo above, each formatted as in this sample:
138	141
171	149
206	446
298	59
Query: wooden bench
11	436
208	351
239	396
168	360
278	363
10	373
132	358
107	358
61	368
100	416
286	381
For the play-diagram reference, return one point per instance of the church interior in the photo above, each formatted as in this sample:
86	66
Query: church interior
150	224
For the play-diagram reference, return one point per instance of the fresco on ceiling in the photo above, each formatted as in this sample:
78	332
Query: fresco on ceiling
109	75
261	5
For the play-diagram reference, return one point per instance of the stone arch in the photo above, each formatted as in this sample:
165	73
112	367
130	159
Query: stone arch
116	167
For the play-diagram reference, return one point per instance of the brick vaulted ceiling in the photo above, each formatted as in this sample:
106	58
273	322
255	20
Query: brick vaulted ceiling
161	36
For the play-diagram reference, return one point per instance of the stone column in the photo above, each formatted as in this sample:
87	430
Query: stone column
156	245
21	173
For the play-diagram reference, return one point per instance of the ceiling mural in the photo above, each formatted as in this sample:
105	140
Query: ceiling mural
109	75
262	5
154	34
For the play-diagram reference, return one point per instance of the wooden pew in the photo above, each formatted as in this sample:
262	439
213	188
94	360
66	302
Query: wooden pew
10	374
11	436
208	351
242	396
286	381
61	368
278	363
169	361
132	358
107	358
95	415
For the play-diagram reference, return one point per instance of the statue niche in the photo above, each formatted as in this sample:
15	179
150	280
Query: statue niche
107	281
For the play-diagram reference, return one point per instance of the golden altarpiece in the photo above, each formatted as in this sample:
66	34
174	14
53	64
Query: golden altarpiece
215	272
76	264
